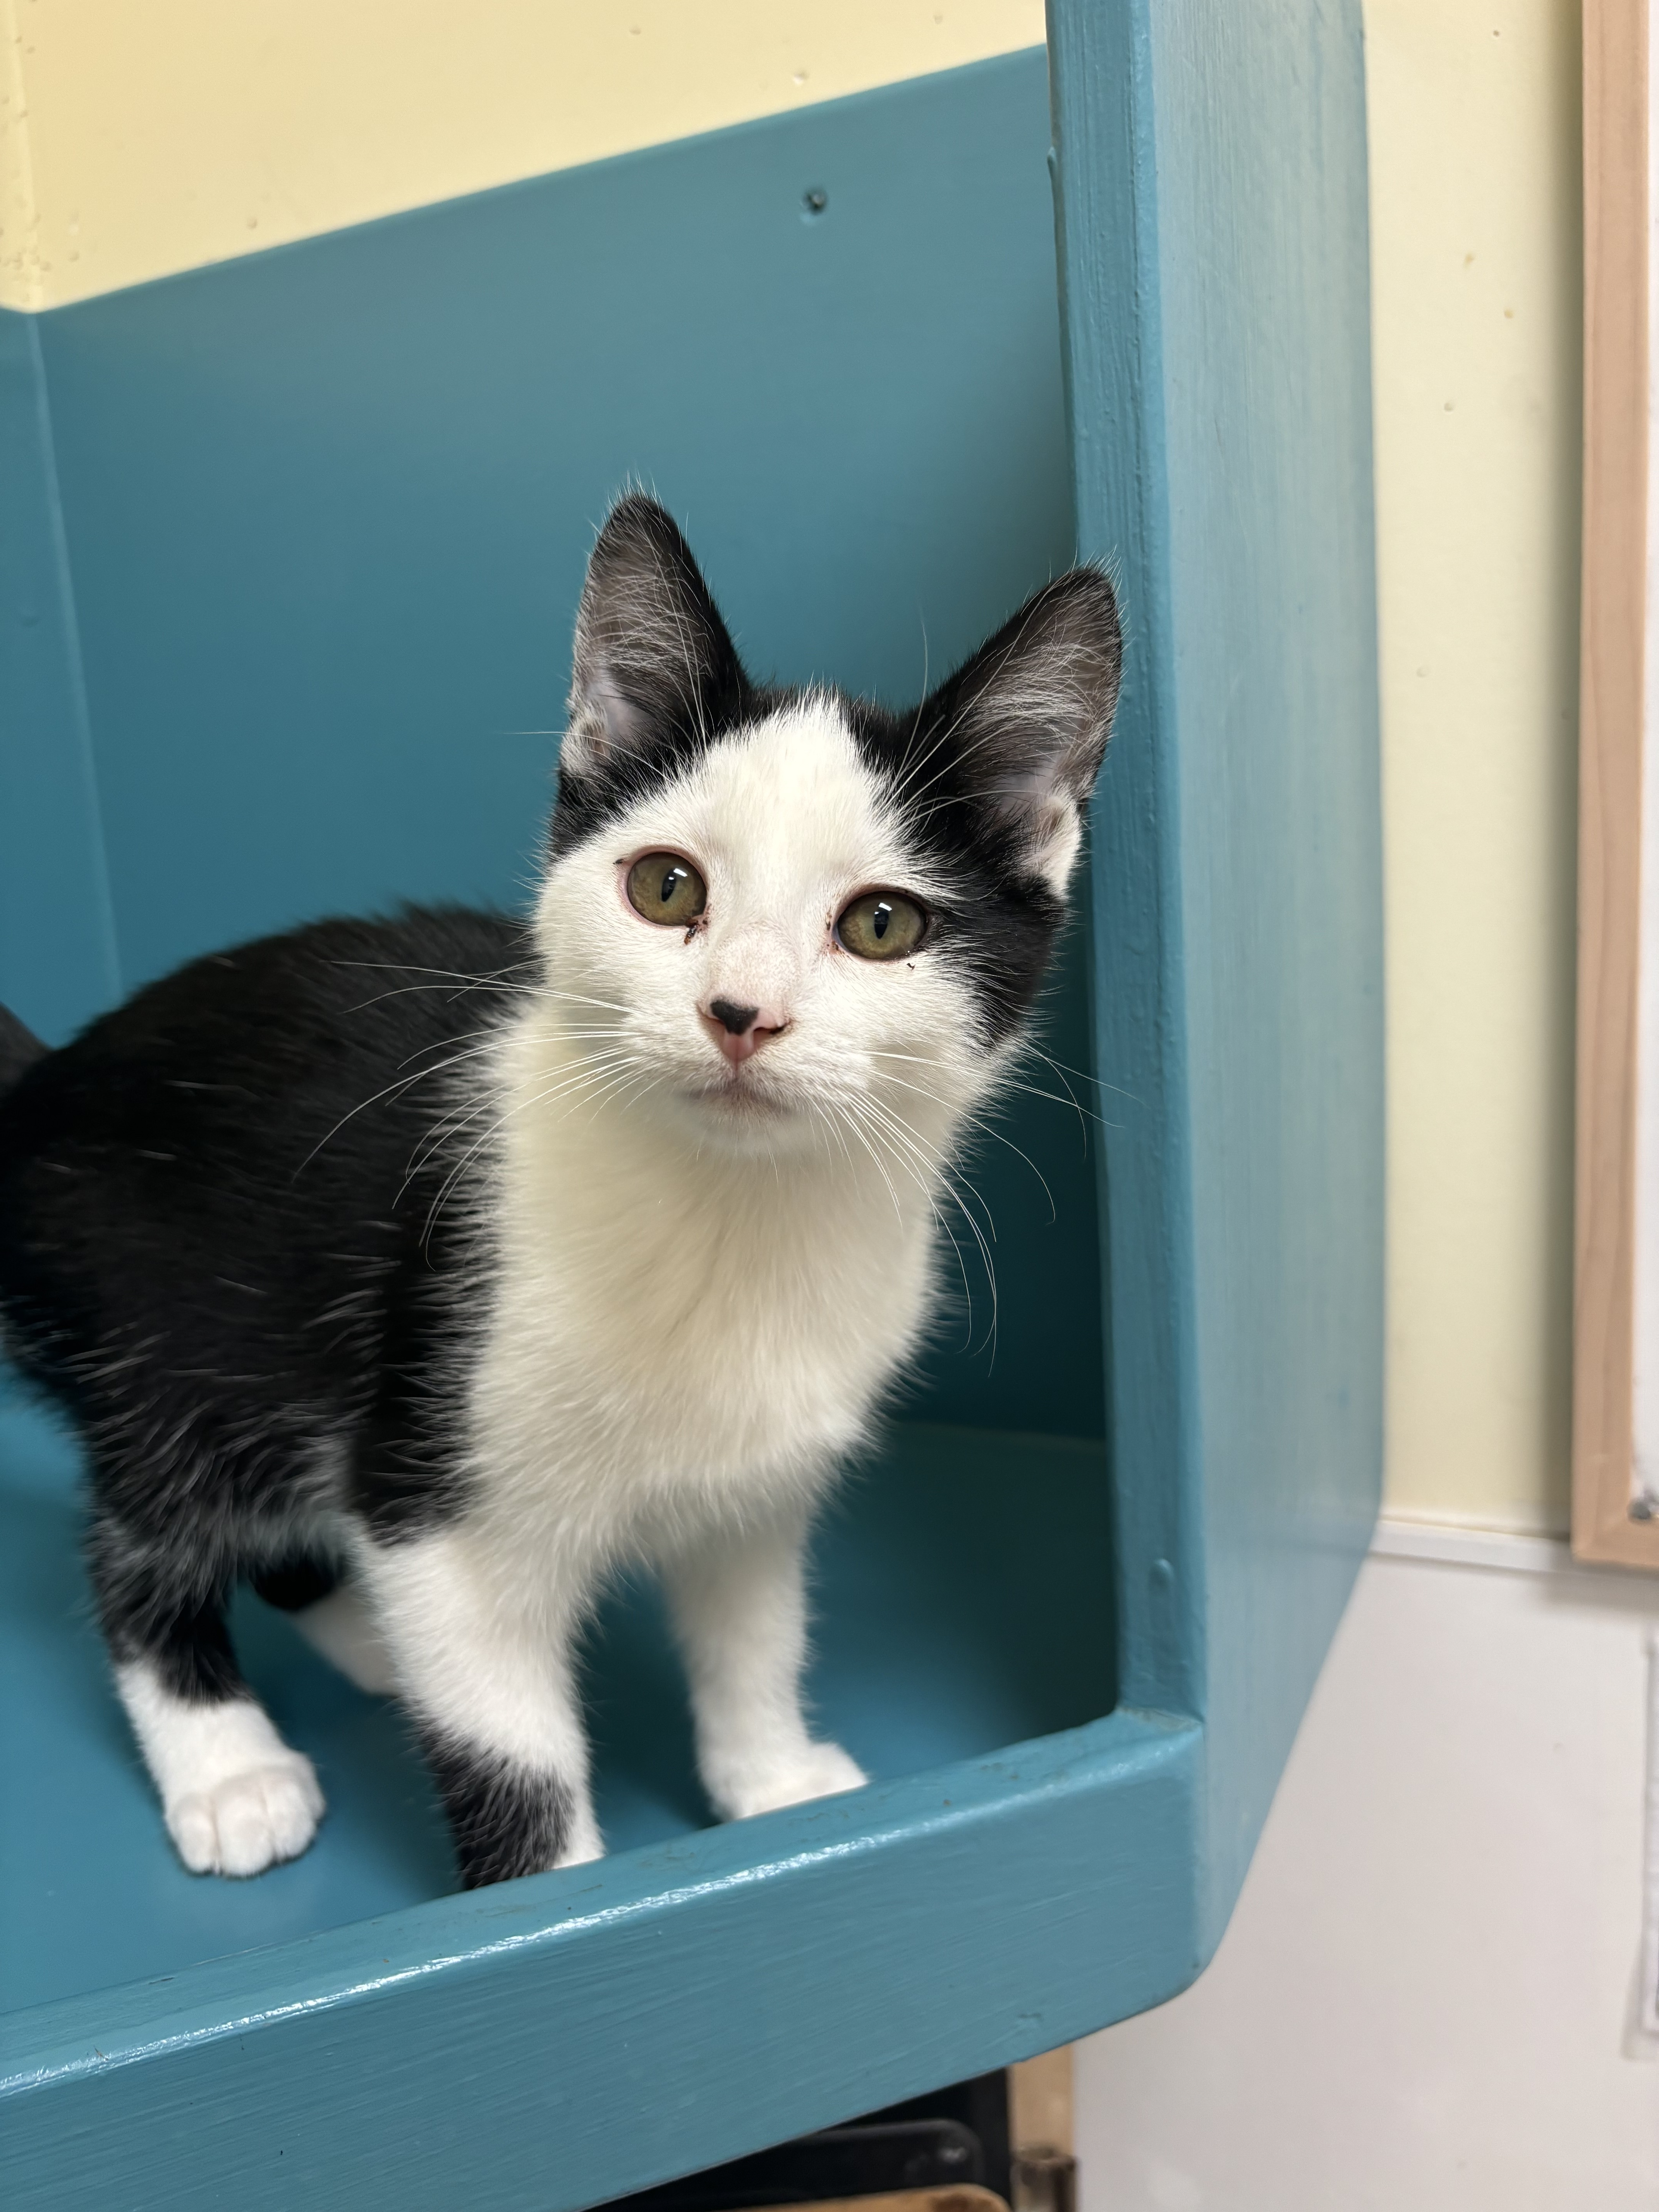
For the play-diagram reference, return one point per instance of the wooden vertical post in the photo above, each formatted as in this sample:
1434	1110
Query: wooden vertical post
1611	684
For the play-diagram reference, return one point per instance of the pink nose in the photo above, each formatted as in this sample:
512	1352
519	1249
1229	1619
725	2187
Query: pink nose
740	1031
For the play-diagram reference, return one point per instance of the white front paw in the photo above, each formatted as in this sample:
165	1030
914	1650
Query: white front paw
823	1770
248	1821
583	1844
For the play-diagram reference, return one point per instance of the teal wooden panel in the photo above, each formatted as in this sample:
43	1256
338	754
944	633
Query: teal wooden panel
1215	267
961	1605
58	962
328	509
551	2043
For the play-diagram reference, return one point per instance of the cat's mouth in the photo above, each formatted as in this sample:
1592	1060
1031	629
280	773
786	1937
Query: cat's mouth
741	1095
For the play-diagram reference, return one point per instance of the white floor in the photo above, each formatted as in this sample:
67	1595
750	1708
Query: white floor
1425	2001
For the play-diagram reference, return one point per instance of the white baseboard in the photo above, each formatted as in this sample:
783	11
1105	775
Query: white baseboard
1453	1544
1457	1544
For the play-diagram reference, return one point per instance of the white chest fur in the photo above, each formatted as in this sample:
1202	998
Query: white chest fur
678	1333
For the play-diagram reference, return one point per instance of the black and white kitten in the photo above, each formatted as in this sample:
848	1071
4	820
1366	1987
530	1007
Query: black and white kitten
423	1273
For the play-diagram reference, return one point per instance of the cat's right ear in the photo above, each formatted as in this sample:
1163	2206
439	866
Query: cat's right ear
654	668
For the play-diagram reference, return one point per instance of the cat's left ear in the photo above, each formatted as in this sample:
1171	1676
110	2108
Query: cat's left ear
1022	728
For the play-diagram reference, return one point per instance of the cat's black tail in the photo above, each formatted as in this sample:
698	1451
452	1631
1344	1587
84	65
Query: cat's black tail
20	1048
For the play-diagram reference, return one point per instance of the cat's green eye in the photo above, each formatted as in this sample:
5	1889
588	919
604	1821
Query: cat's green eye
665	887
882	925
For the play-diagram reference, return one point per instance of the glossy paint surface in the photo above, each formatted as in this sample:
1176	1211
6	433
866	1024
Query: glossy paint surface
562	2038
962	1605
1214	269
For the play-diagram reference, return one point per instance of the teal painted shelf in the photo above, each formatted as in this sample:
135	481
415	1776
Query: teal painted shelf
963	1605
288	559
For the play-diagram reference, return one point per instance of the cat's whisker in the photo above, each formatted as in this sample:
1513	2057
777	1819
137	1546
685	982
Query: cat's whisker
990	1129
442	980
903	1131
1076	1102
932	1163
921	708
1052	1098
570	1084
880	1170
448	974
470	1038
570	1073
446	1131
926	1175
403	1084
933	1178
454	992
1082	1075
830	1118
584	998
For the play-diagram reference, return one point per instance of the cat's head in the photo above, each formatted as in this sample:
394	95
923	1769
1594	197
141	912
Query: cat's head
773	913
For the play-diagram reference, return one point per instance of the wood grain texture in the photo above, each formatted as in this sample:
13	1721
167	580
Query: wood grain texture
962	2197
1610	778
1040	2102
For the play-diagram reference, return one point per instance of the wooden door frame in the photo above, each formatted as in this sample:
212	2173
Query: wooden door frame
1611	701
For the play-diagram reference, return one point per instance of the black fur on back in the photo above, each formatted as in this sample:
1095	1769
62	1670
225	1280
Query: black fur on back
228	1251
20	1048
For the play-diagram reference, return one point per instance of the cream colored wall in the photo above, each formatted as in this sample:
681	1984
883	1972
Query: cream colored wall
1475	222
141	137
